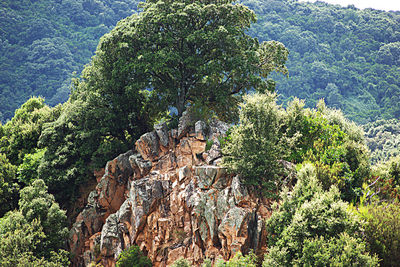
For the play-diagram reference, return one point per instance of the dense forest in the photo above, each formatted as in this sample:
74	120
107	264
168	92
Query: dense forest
347	56
42	43
348	176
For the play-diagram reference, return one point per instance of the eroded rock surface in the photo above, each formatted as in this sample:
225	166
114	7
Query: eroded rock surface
170	197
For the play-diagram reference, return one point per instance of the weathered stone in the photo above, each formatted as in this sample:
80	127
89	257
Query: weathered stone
229	231
222	179
111	188
148	146
162	132
186	122
200	129
214	152
218	128
184	172
240	192
197	147
170	203
110	237
206	175
166	163
176	254
144	166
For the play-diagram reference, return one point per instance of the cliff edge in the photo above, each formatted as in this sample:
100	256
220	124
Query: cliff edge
170	197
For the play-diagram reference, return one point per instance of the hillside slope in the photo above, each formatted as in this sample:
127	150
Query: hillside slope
43	42
348	56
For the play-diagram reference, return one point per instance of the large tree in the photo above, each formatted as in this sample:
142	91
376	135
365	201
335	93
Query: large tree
182	53
173	54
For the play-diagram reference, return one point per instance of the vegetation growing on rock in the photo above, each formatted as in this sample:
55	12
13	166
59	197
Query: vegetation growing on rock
199	56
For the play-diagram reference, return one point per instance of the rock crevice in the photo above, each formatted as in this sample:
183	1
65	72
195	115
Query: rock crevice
170	197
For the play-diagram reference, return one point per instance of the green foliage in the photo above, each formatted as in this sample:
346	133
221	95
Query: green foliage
27	172
90	130
312	225
334	144
255	144
20	155
239	260
207	263
268	133
133	256
44	42
382	230
343	250
383	139
347	56
8	187
133	79
37	204
19	243
386	180
199	56
21	133
35	234
181	263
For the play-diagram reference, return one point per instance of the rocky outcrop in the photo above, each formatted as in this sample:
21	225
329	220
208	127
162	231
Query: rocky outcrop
170	197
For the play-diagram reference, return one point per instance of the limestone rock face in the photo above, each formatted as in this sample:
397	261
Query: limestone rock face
165	198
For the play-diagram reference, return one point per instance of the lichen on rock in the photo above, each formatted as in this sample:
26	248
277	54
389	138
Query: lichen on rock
165	198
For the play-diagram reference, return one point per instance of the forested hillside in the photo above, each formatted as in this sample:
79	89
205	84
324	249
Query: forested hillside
113	155
348	56
43	42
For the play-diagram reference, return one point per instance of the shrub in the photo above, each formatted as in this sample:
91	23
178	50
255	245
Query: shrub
255	144
310	218
267	133
28	171
239	260
382	230
386	179
181	263
133	256
334	144
8	187
343	250
21	243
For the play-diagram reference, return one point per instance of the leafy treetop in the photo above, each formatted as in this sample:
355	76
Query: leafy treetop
182	53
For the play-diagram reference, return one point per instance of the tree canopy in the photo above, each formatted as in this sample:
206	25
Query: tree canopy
182	53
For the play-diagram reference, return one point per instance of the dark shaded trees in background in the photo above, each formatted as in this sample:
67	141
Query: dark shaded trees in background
348	56
44	42
345	55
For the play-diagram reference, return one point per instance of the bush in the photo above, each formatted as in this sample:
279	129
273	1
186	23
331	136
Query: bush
28	171
239	260
181	263
309	219
334	144
8	187
133	256
343	250
386	179
21	243
268	133
382	230
255	145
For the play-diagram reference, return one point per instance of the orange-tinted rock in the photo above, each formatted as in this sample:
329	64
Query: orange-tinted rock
170	203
